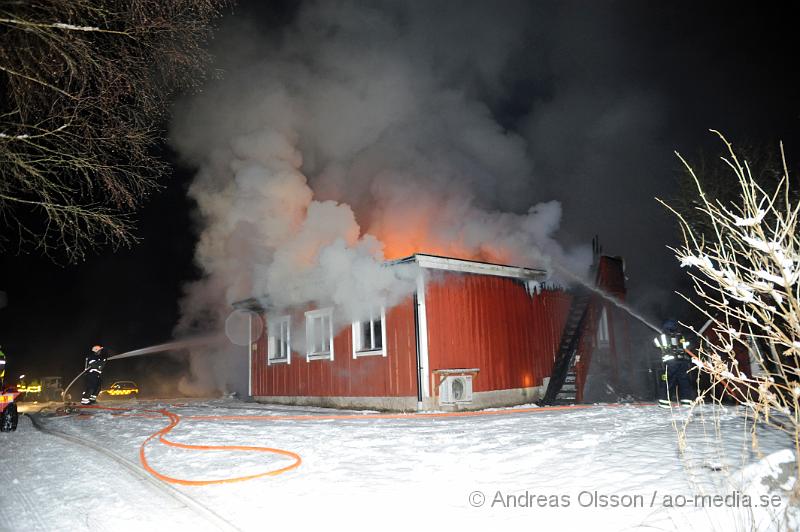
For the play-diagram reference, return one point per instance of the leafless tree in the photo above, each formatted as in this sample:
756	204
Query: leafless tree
86	86
719	184
746	275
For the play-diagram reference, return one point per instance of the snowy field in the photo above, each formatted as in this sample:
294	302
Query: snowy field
603	467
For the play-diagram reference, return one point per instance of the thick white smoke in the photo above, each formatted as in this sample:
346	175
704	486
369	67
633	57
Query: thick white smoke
352	137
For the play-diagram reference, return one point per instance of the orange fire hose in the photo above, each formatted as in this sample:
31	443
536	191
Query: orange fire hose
175	420
471	413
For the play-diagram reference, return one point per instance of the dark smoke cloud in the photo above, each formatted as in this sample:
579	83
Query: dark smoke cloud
364	132
509	131
600	144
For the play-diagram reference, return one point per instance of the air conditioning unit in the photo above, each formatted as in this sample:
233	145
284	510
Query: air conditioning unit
455	389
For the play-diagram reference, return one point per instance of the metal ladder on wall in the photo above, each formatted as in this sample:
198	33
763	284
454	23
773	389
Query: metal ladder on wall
563	385
562	388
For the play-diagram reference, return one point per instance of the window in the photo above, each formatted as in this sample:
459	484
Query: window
369	335
319	334
602	328
279	349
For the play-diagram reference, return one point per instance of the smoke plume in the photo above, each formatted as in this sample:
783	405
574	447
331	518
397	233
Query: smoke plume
358	133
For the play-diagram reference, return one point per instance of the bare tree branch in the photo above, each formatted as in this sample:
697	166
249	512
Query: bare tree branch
86	88
744	256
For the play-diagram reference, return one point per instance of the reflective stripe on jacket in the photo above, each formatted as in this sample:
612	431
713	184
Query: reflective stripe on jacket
671	347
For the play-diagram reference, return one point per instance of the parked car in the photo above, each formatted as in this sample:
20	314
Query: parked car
120	390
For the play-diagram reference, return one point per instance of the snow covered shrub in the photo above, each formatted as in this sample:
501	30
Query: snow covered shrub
745	269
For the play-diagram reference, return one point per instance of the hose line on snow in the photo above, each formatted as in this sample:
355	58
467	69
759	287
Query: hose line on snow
175	419
64	393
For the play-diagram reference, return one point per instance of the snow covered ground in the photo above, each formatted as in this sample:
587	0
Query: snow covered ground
603	467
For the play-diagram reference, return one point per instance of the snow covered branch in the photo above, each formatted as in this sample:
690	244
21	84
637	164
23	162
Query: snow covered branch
746	272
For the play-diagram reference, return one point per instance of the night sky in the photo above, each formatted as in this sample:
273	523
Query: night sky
672	70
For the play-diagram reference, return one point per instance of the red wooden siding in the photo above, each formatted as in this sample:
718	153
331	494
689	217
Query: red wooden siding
492	323
587	345
611	279
611	276
473	321
369	376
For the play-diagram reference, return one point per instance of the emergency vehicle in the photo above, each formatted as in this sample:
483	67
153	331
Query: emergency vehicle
8	411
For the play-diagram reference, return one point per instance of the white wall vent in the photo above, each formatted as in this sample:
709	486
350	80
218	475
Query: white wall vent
455	389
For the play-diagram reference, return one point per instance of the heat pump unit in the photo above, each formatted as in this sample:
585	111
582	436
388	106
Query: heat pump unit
455	389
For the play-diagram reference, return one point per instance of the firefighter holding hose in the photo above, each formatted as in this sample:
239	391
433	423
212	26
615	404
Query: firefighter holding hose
2	369
94	370
676	364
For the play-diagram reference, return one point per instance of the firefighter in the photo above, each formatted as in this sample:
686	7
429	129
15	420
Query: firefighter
676	363
2	368
94	370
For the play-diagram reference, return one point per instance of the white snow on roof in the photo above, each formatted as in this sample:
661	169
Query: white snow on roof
435	262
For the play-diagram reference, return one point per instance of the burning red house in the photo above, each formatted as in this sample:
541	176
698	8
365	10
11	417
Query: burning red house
472	335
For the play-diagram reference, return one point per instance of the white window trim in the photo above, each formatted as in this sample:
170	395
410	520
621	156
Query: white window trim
310	316
356	339
271	342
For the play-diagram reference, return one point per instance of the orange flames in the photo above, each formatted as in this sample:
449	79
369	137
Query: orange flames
417	238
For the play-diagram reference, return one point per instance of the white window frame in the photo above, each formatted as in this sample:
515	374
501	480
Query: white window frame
312	317
358	350
603	335
284	329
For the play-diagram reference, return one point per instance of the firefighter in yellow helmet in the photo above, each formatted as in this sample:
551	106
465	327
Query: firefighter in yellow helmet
94	370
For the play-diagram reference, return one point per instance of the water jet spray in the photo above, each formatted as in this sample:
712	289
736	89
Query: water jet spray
157	348
605	295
